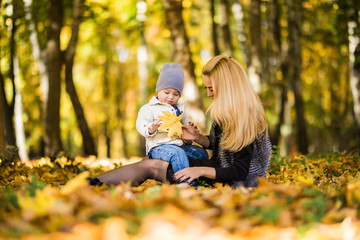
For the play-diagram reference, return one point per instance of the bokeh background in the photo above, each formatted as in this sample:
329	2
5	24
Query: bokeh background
75	73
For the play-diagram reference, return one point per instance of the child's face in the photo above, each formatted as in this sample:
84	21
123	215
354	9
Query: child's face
169	96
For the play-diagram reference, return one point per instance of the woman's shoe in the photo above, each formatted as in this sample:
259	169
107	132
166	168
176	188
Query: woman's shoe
94	182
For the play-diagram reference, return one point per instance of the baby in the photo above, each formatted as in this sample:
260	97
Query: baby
158	144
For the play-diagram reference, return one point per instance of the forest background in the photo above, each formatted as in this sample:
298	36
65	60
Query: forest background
74	73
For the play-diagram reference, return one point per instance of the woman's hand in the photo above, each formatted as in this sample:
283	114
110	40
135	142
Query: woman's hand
190	132
191	173
188	174
153	127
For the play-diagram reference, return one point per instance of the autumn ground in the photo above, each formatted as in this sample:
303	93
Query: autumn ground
304	197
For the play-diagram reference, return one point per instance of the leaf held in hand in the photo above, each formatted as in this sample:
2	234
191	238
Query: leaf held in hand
171	123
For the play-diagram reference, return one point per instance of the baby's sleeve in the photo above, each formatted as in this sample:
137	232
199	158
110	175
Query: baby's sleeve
143	120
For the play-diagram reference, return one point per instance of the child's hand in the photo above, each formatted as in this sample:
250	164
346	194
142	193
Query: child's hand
153	127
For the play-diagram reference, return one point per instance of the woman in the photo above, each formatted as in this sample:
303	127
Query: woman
238	138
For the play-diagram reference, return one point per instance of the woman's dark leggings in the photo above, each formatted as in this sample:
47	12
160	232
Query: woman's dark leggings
136	173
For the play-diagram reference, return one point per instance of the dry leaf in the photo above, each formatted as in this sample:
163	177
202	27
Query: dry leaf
171	123
75	183
298	191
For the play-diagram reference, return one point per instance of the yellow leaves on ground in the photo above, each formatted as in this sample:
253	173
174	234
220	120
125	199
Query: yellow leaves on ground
353	190
179	225
115	229
171	123
38	206
302	198
80	231
305	180
75	183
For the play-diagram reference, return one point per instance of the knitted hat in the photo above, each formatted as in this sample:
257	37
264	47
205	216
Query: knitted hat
171	76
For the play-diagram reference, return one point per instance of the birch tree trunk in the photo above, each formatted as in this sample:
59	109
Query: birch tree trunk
214	27
89	147
39	56
294	29
37	52
182	56
143	72
53	144
238	12
255	69
19	122
224	8
354	57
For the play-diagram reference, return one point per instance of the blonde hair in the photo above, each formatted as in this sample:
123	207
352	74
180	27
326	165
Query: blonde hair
236	107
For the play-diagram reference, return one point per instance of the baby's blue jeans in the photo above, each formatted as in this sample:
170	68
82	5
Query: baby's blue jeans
178	156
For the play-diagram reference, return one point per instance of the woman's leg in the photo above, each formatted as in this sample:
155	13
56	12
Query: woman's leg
137	173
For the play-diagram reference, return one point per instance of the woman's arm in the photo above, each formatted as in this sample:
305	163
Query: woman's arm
203	141
238	171
191	132
194	172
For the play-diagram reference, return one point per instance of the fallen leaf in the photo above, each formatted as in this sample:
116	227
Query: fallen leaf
75	183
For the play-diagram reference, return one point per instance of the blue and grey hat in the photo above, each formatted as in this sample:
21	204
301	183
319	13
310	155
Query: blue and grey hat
171	76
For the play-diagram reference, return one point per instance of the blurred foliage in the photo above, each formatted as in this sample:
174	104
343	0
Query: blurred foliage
106	74
303	197
9	156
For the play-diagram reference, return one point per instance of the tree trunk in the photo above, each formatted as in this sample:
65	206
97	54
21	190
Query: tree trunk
268	53
143	77
88	141
182	56
294	29
354	55
120	115
214	29
53	144
9	107
255	68
19	122
224	8
37	53
2	127
238	12
143	72
337	115
106	97
7	117
39	56
284	70
124	140
275	138
107	138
